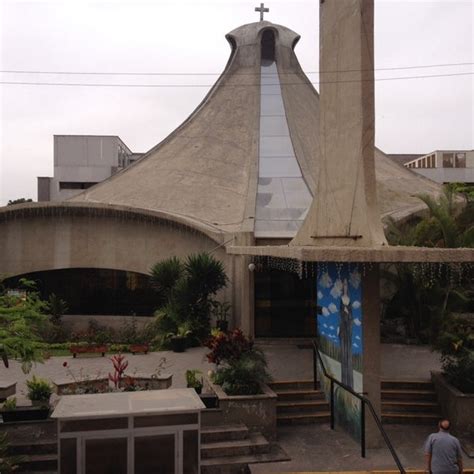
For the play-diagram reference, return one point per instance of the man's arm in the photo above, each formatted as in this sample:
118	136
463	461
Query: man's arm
428	452
428	461
460	464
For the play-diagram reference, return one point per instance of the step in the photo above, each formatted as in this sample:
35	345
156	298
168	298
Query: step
239	464
255	444
410	418
303	418
211	434
305	405
425	395
410	406
291	385
39	462
406	384
287	395
212	417
42	446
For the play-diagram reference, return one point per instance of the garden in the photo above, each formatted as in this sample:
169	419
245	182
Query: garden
32	330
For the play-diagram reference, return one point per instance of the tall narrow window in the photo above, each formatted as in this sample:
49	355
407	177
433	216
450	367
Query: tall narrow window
268	45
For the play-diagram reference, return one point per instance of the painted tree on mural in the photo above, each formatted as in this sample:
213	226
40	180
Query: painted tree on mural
339	324
345	336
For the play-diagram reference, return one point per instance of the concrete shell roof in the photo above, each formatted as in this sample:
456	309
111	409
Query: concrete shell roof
207	169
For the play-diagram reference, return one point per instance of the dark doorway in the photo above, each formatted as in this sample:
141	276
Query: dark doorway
285	306
96	291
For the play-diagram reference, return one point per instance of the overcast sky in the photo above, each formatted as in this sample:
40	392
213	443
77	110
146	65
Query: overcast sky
412	115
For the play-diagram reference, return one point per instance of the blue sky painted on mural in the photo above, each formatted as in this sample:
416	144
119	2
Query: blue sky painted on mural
330	292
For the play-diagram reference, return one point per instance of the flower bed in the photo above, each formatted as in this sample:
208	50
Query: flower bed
66	386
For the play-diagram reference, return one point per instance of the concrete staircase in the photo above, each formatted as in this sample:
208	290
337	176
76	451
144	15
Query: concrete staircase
403	402
229	449
299	403
409	402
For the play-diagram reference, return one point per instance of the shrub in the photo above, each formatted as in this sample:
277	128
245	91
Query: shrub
194	379
38	389
21	319
456	344
10	404
241	367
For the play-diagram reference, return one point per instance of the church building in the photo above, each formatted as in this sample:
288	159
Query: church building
241	170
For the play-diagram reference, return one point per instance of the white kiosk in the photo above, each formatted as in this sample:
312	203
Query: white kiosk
156	431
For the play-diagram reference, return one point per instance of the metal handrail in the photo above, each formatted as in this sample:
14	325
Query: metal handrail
364	401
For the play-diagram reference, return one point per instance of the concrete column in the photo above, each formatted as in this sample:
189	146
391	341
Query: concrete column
372	352
244	304
344	211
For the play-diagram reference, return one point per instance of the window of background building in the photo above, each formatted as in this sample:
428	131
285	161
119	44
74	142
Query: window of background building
460	160
448	160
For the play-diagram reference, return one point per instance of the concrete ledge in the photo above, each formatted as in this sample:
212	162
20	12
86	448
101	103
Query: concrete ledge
145	381
7	389
458	407
258	412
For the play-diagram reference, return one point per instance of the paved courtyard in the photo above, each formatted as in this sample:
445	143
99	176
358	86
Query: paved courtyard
286	362
318	448
312	447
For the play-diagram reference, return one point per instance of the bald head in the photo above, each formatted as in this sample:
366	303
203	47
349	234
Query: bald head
444	425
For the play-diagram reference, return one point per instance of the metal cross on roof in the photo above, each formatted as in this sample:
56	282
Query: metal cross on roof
262	10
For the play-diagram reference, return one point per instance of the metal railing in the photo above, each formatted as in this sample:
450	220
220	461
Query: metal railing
364	402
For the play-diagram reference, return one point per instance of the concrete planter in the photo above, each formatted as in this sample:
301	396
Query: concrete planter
153	382
7	389
458	407
258	412
71	387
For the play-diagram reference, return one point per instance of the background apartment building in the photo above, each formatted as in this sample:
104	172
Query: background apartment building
445	166
80	161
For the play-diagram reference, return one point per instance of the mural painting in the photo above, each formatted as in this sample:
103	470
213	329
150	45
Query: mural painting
339	297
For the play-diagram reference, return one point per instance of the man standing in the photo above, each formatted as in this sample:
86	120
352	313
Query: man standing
443	451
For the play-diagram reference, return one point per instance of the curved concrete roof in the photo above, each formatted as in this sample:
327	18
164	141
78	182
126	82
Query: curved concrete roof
207	169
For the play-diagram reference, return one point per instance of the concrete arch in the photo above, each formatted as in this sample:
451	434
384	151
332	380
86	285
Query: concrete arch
70	235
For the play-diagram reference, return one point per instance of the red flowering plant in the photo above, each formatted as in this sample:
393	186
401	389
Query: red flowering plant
120	365
241	367
227	346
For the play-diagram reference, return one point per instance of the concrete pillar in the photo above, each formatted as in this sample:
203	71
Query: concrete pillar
244	299
344	211
372	352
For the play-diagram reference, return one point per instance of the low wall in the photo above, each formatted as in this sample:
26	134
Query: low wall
258	412
80	322
458	407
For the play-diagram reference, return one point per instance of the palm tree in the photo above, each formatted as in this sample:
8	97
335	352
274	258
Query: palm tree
185	290
415	299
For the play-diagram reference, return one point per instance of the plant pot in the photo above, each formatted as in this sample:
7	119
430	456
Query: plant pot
197	388
40	403
178	344
210	400
25	414
222	325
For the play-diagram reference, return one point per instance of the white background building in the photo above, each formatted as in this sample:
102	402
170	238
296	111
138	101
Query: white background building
445	166
80	161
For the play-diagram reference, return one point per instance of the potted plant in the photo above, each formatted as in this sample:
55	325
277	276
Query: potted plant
221	312
39	391
179	338
194	380
13	413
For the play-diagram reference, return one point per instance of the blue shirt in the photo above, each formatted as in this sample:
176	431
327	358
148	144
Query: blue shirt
445	451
